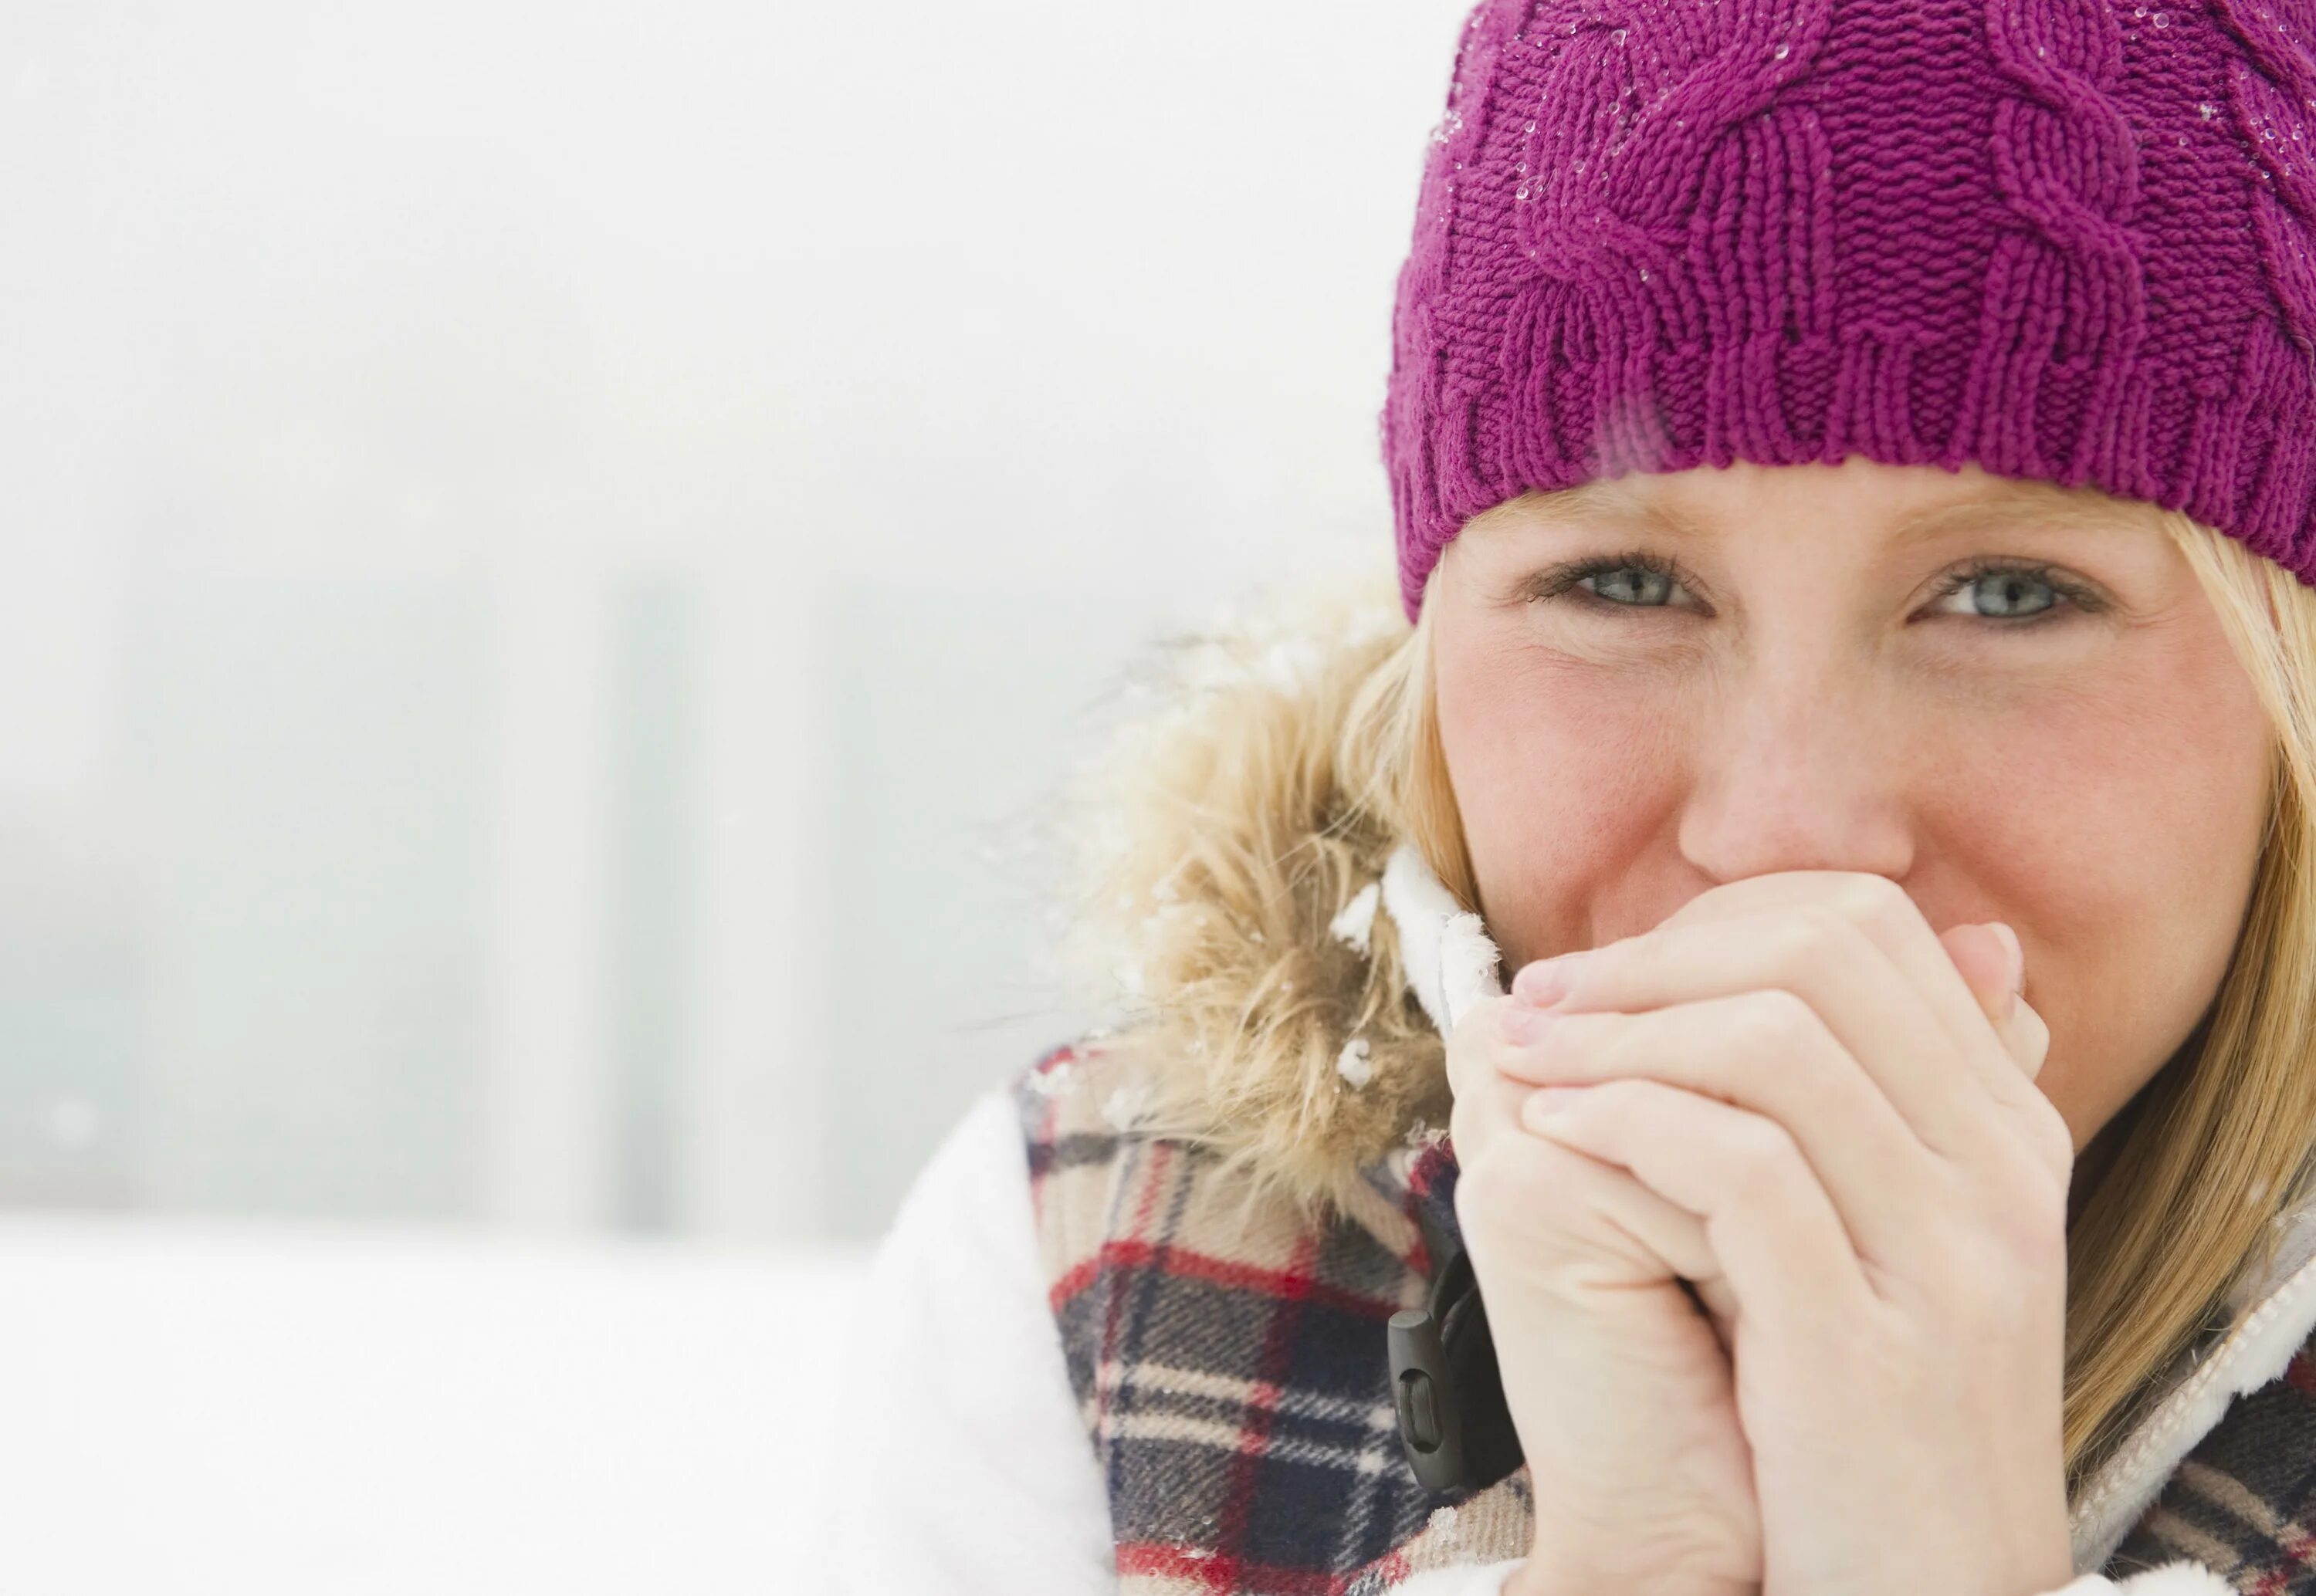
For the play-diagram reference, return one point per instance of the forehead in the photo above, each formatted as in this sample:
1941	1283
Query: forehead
1901	501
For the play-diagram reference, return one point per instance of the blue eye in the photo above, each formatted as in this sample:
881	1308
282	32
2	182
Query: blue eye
2014	594
2001	590
1635	580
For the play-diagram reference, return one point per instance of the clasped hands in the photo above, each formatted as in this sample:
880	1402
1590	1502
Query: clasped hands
1771	1218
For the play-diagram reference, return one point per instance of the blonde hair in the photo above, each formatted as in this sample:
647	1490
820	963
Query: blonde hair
1299	749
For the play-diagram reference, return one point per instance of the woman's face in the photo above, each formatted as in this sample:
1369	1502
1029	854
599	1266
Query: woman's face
1667	681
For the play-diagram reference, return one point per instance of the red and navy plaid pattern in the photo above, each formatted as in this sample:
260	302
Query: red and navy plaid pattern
1229	1363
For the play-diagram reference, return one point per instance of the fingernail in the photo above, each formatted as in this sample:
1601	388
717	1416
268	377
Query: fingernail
2017	955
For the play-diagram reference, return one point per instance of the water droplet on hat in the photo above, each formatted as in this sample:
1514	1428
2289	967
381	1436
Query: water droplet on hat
1529	129
1782	51
1644	274
2208	110
1618	37
2162	20
1521	195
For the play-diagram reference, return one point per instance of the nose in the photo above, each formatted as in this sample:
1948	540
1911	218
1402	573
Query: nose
1798	766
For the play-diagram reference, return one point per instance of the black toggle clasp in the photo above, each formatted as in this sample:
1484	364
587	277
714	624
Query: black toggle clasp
1449	1395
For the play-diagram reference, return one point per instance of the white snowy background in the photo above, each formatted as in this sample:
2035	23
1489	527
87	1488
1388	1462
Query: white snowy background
548	554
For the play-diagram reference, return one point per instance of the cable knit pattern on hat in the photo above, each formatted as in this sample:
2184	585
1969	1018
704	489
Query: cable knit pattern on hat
2065	239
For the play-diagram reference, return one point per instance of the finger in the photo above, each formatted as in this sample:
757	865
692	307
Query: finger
1468	1044
1873	1009
1664	1240
1993	966
1886	914
1487	1110
1982	957
1769	1052
1770	1224
1488	1115
1486	1104
2030	1040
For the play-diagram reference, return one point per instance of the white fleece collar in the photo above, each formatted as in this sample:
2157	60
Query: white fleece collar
1451	965
1449	959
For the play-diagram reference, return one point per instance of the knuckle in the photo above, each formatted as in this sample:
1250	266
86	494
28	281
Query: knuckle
1771	1022
1809	931
1765	1164
1876	904
2051	1138
1822	936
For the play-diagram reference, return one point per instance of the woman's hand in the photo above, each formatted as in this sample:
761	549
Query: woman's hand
1832	1129
1618	1389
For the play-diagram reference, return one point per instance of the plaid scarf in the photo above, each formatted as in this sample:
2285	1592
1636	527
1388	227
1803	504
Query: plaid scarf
1229	1363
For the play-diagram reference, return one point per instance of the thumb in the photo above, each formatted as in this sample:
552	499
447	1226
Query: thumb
1993	967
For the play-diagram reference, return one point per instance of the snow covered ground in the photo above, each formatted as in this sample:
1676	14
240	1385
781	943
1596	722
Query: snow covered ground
204	1406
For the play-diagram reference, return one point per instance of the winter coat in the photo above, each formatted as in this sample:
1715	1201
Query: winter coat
1085	1363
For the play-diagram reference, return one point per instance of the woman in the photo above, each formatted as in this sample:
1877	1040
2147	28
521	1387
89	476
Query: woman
1855	674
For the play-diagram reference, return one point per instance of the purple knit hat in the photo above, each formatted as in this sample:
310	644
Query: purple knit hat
2064	239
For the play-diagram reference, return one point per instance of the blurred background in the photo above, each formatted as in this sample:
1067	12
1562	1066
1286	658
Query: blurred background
552	558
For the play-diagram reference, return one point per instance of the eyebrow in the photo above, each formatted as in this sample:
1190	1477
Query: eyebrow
2013	502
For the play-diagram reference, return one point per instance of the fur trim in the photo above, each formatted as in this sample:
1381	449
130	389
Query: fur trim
1239	891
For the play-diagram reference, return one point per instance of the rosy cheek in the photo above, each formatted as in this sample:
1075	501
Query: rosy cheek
1557	794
